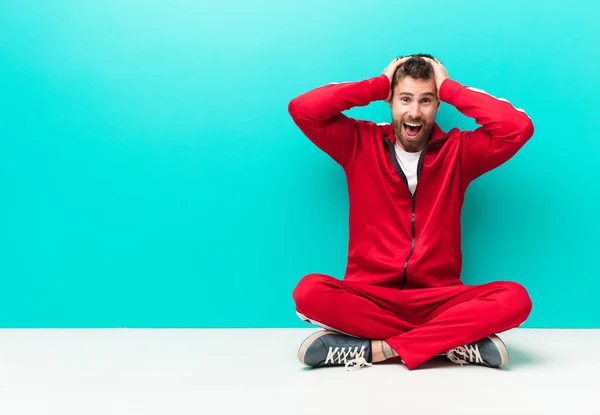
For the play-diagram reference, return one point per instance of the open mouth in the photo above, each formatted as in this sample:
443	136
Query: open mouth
412	130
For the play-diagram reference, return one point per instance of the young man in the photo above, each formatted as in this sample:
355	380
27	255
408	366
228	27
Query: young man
401	295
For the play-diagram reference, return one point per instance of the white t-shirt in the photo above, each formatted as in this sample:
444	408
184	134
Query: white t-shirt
408	162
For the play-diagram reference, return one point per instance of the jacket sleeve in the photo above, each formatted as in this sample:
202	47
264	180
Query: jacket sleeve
504	128
318	114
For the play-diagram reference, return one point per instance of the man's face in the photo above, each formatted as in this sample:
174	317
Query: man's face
414	101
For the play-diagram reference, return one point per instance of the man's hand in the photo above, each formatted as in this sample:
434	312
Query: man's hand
440	73
391	69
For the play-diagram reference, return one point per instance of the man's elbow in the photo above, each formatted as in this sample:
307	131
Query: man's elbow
302	110
528	128
524	127
293	107
296	109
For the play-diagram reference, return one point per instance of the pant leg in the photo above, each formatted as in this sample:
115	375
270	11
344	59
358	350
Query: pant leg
458	315
359	310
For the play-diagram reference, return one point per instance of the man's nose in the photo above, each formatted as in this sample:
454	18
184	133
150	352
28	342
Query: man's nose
414	111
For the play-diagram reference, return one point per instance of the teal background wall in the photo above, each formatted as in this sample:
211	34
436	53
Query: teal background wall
150	175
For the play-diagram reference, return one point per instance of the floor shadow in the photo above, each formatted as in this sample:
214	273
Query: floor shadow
519	357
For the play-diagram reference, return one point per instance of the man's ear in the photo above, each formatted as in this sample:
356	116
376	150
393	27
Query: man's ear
390	103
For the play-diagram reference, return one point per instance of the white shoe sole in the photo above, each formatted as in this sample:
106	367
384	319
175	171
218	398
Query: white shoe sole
308	342
501	348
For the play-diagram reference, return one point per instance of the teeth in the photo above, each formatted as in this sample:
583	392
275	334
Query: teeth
413	125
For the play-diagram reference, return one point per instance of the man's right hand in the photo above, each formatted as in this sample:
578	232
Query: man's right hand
391	69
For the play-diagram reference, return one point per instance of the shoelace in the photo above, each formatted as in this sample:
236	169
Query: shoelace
352	358
357	363
465	355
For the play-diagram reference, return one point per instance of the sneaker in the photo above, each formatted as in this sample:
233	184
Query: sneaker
489	351
328	348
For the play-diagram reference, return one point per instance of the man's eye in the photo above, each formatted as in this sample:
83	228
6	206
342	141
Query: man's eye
404	99
427	100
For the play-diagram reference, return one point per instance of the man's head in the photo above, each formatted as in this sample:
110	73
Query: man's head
414	102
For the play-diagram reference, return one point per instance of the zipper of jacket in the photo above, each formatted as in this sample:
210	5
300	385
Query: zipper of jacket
412	196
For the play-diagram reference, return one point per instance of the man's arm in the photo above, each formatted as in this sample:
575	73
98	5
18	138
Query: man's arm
504	128
318	113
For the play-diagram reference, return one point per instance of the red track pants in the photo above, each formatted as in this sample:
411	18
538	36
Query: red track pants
417	323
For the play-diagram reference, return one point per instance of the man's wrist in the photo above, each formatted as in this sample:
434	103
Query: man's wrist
441	89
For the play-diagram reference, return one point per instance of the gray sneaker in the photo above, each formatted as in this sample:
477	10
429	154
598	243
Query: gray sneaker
489	351
328	348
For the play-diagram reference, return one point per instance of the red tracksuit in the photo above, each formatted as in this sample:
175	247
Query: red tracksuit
402	282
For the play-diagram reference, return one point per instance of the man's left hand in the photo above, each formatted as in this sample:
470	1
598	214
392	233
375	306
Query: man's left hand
440	73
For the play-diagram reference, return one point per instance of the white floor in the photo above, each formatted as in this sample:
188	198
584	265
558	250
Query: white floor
256	371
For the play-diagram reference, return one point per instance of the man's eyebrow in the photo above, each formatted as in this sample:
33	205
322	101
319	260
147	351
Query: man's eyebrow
423	94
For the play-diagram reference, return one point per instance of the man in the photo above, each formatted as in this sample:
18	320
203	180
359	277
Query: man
401	296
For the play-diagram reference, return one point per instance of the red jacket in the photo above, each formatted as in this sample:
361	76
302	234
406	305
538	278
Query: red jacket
397	239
